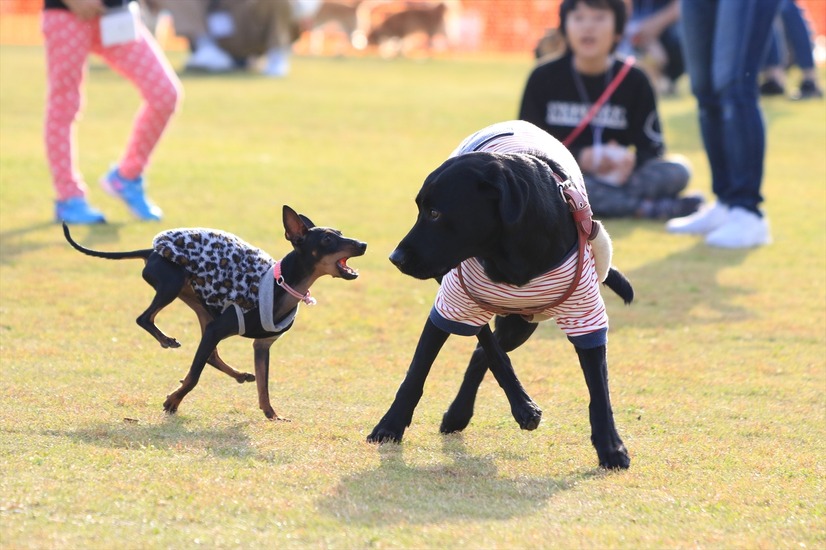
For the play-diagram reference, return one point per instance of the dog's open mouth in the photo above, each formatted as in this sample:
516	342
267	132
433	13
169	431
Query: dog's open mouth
344	270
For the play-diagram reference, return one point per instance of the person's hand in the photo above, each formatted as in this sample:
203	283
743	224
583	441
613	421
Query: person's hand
86	9
590	163
617	163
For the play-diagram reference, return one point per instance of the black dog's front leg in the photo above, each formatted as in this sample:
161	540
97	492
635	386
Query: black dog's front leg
222	327
610	449
510	332
392	425
524	410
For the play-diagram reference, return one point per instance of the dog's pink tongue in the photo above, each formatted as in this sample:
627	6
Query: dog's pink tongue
342	264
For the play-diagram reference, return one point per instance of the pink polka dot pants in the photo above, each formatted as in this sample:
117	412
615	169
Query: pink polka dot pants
69	41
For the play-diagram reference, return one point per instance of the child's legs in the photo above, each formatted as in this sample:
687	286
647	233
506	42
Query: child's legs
659	179
610	201
145	65
67	42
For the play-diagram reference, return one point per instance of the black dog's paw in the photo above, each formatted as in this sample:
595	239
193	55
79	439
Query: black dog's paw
169	342
382	434
614	459
246	377
455	421
528	416
170	406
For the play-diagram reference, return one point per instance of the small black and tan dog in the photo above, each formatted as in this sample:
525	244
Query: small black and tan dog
236	289
505	227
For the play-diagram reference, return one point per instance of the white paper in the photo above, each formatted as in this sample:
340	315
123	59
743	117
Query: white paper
120	25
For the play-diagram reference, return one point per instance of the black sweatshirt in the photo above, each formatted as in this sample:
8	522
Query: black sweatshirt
551	100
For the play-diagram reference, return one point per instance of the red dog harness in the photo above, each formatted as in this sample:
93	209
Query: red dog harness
587	230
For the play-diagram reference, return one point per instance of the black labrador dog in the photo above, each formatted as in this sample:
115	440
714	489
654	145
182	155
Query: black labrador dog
508	208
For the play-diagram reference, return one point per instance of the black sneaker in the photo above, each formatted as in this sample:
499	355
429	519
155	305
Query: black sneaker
772	87
808	90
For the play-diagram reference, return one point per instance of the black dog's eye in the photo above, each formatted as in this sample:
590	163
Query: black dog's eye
326	240
432	214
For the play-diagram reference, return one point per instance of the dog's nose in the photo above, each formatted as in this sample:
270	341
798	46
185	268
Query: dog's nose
397	257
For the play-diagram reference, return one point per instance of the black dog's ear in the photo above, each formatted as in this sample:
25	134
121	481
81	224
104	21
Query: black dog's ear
307	221
293	225
513	192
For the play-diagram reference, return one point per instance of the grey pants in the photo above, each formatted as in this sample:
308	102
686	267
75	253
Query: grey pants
656	179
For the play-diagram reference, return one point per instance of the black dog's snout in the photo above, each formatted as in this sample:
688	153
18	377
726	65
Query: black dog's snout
398	257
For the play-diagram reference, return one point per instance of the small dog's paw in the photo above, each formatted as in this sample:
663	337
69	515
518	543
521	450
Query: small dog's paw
528	416
272	415
614	459
170	406
169	342
246	377
453	421
384	435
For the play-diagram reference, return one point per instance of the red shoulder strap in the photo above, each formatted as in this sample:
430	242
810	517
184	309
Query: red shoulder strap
592	112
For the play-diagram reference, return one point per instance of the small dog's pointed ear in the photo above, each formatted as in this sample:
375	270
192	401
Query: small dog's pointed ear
307	221
294	226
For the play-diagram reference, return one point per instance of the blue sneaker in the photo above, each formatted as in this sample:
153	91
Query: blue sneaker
76	210
131	192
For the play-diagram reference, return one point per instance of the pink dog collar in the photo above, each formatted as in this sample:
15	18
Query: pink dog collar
279	280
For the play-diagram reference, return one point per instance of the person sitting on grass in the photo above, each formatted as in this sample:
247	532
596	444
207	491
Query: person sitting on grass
605	111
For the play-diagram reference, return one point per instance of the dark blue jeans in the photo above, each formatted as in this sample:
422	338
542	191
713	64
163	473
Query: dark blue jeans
725	43
790	31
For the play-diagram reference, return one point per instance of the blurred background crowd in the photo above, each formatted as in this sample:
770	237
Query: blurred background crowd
506	26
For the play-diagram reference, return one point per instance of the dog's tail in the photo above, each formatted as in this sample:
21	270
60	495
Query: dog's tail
135	254
617	282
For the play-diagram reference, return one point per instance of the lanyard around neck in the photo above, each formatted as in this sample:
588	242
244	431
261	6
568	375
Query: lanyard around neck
596	127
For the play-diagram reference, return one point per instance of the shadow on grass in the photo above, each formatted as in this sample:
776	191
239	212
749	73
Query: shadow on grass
25	240
173	434
684	288
468	488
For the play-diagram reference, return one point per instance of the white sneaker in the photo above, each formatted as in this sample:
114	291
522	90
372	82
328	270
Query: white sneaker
278	62
744	229
702	222
209	57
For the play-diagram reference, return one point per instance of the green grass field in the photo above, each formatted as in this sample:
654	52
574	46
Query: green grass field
718	372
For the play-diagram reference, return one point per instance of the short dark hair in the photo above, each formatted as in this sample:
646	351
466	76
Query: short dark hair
617	6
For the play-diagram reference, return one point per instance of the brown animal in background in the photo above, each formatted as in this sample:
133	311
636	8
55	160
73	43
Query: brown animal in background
427	19
341	14
551	45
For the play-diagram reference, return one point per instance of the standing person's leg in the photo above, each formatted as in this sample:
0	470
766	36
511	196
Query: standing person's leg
724	72
144	64
67	42
673	43
800	40
699	19
774	62
738	53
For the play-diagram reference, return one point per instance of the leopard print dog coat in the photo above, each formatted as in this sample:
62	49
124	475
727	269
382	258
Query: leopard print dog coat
225	271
